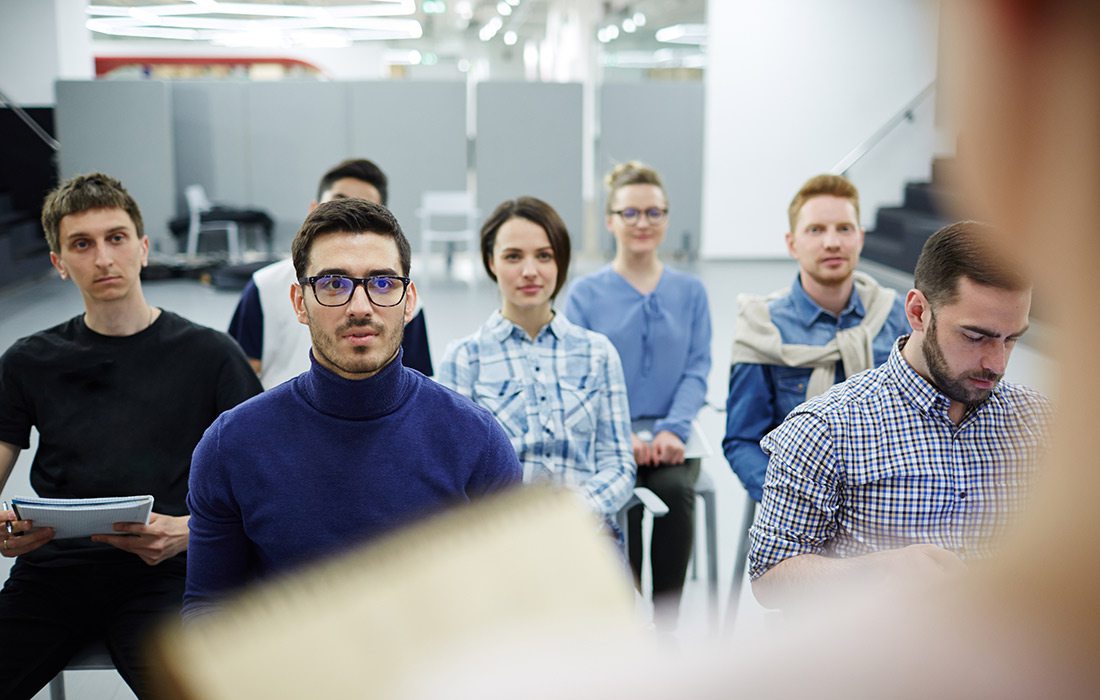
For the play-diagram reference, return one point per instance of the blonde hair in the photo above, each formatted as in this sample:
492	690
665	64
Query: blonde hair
630	173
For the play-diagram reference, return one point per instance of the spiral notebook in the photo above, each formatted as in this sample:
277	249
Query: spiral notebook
83	517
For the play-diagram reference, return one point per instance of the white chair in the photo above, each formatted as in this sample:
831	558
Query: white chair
740	560
93	657
704	490
448	217
197	205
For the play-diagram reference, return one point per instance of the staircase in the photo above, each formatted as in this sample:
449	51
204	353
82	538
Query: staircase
900	232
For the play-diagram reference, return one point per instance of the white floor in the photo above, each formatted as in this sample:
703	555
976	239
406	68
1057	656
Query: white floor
455	307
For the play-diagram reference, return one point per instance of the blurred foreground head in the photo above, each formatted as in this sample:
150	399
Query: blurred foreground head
1024	85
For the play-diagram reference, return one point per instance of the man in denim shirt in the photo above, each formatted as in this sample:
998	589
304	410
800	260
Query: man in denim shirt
792	345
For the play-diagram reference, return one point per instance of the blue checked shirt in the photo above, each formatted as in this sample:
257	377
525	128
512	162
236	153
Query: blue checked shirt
560	397
876	463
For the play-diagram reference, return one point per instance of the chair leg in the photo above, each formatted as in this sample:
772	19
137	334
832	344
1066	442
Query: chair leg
709	502
57	686
739	563
233	241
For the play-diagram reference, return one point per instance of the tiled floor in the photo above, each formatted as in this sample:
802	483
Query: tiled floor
455	307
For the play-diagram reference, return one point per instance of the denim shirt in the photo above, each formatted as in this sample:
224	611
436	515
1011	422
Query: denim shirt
761	396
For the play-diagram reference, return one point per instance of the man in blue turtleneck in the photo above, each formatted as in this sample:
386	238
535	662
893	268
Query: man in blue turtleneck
350	449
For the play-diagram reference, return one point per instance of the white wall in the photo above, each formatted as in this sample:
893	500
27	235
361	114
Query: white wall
792	86
40	42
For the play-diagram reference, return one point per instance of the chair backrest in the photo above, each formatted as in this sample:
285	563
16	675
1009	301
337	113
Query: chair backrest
448	202
448	212
197	203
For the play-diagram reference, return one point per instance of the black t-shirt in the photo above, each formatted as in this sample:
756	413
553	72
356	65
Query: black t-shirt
117	415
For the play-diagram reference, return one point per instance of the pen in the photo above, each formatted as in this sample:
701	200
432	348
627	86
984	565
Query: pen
7	523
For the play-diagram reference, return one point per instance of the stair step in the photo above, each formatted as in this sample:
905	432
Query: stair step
899	235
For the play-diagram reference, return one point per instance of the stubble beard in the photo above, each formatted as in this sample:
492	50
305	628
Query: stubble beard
358	360
953	388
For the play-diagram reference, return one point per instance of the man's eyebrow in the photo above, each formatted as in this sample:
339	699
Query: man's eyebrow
380	272
994	334
81	232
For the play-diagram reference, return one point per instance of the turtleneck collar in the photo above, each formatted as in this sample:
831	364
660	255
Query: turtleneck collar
355	399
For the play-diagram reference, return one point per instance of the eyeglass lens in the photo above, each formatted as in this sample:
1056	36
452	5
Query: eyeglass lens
336	290
654	215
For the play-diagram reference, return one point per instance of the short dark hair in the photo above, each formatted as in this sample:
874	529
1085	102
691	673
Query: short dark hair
963	249
84	193
348	216
537	212
359	169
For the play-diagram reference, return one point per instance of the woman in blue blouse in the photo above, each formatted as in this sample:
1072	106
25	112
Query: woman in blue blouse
659	321
557	389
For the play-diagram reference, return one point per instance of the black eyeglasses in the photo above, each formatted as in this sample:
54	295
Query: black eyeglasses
632	215
336	290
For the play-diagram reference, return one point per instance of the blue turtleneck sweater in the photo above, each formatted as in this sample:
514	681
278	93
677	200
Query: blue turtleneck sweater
321	463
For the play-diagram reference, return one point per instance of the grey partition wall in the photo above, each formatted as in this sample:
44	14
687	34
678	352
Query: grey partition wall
123	129
660	124
529	143
211	124
297	131
415	132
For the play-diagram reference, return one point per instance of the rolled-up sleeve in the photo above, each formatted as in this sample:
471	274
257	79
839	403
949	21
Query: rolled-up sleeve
801	494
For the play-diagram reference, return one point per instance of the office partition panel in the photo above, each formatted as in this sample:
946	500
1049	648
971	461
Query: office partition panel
415	132
125	130
529	143
297	131
211	123
660	124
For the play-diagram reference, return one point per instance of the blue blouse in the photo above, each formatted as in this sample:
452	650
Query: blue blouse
662	337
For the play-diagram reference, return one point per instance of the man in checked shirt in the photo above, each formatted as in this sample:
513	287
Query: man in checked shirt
907	470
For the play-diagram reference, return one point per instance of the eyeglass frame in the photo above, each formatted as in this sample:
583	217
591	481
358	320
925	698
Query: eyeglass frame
641	213
357	282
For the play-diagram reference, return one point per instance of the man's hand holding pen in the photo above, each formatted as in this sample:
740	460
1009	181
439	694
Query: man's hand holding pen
18	536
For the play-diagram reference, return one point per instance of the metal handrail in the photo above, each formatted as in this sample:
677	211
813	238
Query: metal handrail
905	114
41	133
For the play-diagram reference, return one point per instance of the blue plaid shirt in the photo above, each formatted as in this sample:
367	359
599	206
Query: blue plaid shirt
876	463
560	397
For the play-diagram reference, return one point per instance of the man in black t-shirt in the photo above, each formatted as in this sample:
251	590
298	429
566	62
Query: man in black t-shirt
120	395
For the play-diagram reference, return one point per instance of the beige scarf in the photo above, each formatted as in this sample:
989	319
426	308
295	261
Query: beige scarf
757	340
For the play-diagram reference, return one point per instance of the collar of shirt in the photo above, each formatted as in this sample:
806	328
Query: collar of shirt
500	328
809	311
355	399
922	393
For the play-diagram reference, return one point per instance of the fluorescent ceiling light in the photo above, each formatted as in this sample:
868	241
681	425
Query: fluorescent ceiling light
628	26
278	25
379	8
399	57
491	28
683	34
510	38
504	9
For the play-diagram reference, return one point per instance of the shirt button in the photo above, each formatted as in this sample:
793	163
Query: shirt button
542	398
962	494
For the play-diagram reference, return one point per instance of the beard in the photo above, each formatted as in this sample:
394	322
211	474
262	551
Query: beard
953	387
356	361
